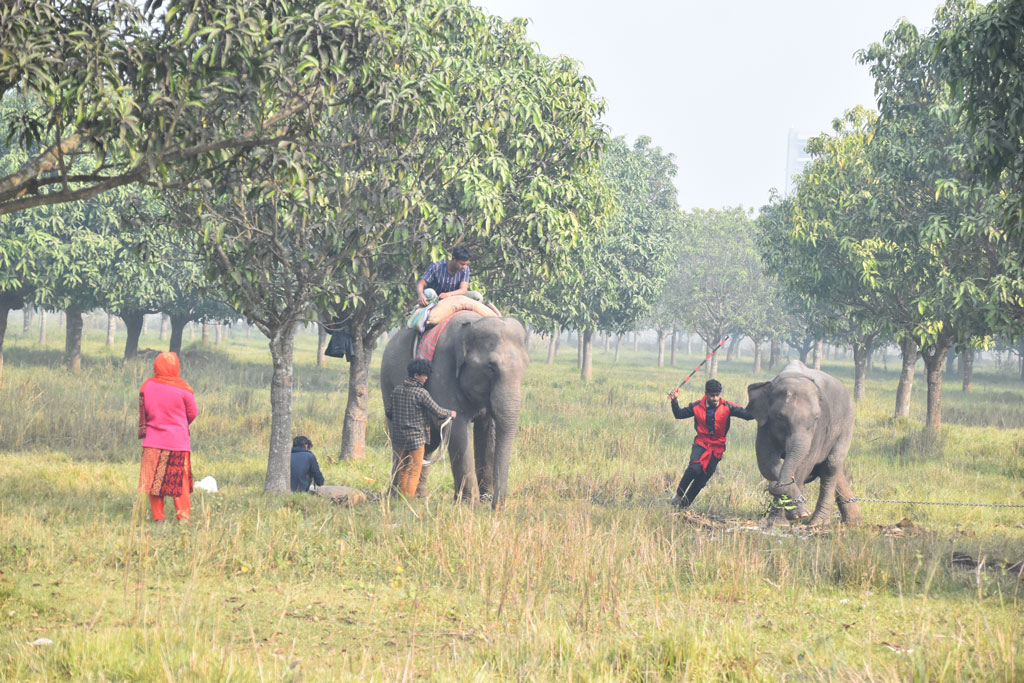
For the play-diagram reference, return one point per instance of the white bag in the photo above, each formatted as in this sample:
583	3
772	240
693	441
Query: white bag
207	483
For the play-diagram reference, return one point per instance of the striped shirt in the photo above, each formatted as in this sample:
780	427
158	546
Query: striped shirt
440	280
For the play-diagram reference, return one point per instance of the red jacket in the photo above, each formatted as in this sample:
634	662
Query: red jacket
713	444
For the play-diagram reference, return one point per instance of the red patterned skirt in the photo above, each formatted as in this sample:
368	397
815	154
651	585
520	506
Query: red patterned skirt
165	473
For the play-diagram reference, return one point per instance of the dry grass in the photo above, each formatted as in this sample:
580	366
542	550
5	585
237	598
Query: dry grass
586	574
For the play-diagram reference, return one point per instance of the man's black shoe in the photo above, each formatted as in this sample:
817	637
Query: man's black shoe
680	502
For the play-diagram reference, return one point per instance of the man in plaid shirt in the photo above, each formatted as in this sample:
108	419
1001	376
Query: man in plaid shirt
410	413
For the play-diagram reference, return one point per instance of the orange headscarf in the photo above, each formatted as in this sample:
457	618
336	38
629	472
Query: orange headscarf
167	370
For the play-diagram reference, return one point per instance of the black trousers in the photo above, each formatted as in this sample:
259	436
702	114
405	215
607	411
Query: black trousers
695	477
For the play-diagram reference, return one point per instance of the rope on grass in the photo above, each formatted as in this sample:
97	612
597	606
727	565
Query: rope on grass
933	502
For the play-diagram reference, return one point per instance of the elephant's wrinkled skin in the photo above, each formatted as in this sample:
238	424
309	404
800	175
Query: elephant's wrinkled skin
478	370
804	429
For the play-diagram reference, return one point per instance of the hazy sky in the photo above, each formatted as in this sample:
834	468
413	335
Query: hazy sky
719	84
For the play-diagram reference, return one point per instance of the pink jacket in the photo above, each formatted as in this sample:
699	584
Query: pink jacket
169	412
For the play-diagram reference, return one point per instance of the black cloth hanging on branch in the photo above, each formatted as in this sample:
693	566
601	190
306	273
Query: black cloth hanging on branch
340	343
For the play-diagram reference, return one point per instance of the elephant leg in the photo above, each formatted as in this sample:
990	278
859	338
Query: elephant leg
823	510
848	508
463	466
483	453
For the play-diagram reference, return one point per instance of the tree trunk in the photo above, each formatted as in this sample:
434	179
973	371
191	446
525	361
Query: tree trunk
689	348
908	350
730	353
757	357
26	321
816	354
42	327
145	325
282	349
773	354
860	366
804	349
178	325
618	343
934	363
218	333
321	345
73	341
206	333
133	320
165	326
672	346
62	321
5	310
661	348
552	346
636	341
353	435
579	349
967	363
607	341
111	329
587	366
713	364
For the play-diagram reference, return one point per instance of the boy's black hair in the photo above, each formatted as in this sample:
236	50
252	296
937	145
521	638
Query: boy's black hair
302	442
420	366
712	386
461	253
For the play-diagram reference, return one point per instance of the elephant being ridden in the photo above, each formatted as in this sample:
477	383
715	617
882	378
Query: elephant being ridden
478	370
804	430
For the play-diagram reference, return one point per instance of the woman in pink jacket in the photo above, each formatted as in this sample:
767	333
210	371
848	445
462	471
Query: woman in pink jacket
167	407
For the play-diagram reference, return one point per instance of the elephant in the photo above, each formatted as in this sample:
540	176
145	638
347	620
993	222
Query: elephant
804	430
477	370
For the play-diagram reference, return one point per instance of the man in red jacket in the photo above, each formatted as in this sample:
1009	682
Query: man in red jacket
711	417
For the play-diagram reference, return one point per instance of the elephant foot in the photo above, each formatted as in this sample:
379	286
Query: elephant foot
819	520
795	508
851	514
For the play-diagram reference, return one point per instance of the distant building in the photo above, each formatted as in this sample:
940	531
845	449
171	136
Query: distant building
796	157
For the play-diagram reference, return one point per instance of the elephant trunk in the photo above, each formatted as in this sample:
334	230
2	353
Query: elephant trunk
506	422
797	449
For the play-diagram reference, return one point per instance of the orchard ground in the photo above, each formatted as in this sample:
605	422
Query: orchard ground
586	574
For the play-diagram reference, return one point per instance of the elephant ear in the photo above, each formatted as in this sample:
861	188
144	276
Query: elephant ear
755	388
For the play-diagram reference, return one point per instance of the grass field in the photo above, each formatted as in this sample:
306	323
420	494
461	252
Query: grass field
586	574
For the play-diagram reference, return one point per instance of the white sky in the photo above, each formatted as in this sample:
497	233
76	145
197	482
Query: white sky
719	84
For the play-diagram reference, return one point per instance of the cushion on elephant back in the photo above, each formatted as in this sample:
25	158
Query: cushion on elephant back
444	308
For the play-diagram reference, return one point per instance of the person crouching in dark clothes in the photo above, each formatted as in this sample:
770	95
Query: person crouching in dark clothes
410	412
711	417
305	468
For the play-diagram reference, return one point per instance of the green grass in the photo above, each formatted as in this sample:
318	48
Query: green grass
586	574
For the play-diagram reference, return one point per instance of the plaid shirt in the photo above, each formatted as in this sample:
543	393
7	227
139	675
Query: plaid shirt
440	280
410	412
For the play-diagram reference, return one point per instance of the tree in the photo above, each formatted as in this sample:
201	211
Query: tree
979	50
943	264
817	242
712	280
414	153
623	269
169	92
